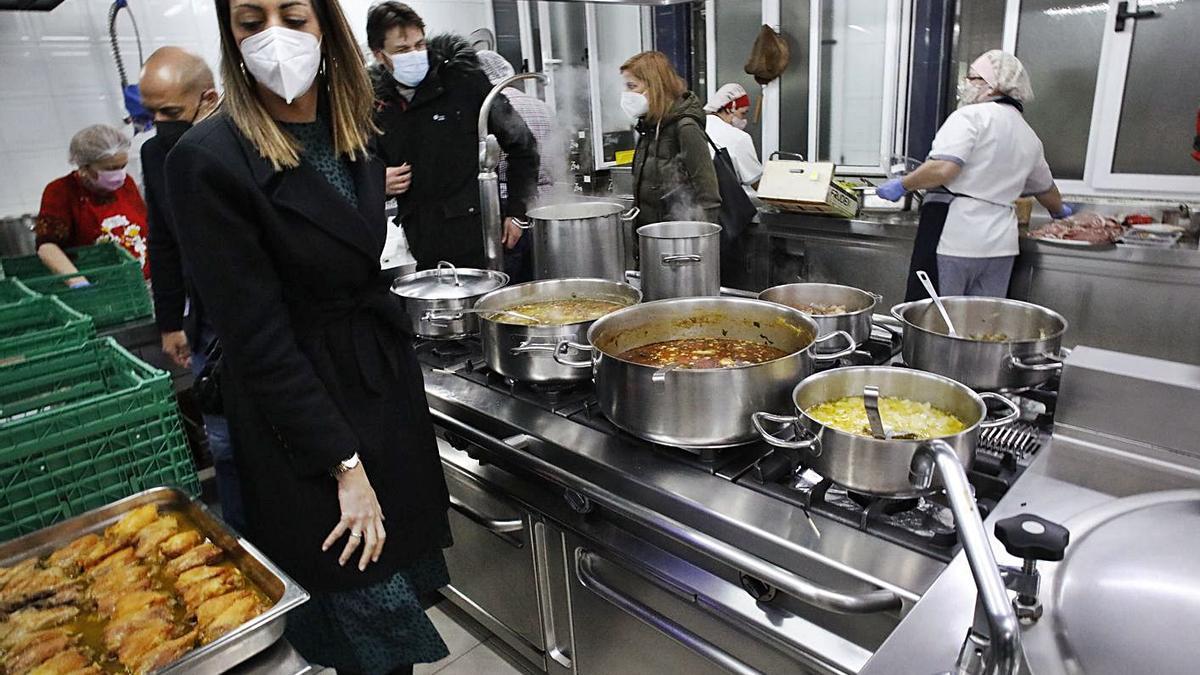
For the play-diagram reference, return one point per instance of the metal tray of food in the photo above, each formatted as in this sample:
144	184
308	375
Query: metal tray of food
230	649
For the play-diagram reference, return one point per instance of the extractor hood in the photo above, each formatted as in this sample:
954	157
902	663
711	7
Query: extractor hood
30	5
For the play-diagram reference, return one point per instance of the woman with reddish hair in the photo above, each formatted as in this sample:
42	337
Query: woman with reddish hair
673	174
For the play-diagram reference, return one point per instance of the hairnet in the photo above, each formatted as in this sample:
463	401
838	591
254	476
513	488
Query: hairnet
729	93
97	142
496	67
1005	74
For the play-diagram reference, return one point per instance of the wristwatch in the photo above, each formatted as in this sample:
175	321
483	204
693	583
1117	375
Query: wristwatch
344	465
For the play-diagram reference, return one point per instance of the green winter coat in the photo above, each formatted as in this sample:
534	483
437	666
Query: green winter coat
673	174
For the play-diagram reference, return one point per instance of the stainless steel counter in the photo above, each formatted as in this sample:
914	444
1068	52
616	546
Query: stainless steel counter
1130	299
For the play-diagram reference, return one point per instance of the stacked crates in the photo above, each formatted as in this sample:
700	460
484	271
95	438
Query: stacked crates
117	293
82	422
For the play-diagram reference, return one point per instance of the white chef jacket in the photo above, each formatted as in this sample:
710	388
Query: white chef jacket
1001	159
741	150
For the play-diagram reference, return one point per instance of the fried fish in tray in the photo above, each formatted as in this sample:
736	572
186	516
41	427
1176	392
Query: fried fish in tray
69	662
203	554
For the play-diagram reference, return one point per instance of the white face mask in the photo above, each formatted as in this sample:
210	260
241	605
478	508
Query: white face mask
740	123
969	93
410	68
285	61
634	104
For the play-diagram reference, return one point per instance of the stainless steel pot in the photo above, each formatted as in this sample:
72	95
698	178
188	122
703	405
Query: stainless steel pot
872	465
580	239
697	407
1032	356
434	299
528	353
856	320
680	259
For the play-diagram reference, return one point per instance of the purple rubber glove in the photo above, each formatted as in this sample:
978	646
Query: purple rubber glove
892	190
1065	213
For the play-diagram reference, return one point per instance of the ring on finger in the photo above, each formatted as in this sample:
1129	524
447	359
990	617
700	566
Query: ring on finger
356	535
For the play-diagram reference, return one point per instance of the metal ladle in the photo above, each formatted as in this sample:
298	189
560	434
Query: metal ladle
937	301
456	314
871	403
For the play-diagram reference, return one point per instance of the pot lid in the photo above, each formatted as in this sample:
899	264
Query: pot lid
448	282
1126	598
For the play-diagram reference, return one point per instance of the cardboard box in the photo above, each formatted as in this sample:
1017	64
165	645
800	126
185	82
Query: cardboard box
806	187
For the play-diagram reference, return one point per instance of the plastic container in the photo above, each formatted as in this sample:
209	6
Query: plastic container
39	325
118	293
12	290
82	427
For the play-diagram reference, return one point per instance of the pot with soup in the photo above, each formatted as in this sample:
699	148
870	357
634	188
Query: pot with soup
832	306
1003	345
830	427
688	372
522	325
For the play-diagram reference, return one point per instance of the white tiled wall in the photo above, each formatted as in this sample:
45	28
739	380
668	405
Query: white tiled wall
57	74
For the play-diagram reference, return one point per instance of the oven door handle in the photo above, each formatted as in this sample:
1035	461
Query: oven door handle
502	528
591	581
866	602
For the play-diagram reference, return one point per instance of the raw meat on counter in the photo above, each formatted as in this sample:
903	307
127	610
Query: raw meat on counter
1085	227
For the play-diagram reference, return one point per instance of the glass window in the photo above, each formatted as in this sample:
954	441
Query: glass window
1158	110
1059	43
737	26
618	37
853	65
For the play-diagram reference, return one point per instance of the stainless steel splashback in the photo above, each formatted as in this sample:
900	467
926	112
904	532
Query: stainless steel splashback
1141	400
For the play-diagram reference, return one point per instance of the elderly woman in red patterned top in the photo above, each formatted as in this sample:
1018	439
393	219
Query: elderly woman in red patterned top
96	202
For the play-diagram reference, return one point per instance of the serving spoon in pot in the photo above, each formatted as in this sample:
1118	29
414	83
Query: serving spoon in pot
456	314
871	402
937	301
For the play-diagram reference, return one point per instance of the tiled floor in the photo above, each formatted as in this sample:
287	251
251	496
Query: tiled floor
472	650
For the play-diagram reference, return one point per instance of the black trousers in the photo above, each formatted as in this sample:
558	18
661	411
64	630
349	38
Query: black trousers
924	255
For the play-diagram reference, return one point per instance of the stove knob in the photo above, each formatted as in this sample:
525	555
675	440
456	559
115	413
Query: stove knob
579	502
1032	538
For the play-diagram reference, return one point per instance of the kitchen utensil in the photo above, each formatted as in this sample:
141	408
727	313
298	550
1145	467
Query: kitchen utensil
445	289
1031	356
444	315
871	402
937	301
698	407
527	353
579	240
878	466
680	259
230	649
859	304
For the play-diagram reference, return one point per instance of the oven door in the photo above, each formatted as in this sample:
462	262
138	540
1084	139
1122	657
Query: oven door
492	563
637	608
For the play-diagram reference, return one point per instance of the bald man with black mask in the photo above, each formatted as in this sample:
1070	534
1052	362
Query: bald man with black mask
178	89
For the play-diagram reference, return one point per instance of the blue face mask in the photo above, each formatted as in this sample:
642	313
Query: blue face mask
410	68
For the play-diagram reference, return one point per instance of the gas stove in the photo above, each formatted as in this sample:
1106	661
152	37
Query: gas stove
921	524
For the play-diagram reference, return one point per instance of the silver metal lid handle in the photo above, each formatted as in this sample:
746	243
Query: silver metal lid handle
444	265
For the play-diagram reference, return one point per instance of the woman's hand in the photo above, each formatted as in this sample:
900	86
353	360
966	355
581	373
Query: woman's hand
398	179
362	519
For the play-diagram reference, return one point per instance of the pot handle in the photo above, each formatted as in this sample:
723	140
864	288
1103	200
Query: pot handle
897	312
441	317
1014	411
812	443
630	214
678	259
528	347
523	224
564	346
850	349
442	267
1055	362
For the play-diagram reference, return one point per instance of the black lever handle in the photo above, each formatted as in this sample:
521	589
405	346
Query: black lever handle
1123	15
1032	538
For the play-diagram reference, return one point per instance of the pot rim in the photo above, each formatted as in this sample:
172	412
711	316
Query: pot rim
875	300
636	294
711	230
899	313
799	353
532	213
921	374
500	278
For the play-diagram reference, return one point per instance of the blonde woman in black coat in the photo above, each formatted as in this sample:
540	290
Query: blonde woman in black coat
279	209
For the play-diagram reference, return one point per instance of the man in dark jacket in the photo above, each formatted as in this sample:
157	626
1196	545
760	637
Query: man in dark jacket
177	88
428	97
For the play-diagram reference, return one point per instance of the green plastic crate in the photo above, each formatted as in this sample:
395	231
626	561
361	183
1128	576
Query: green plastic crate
83	427
12	291
118	292
40	325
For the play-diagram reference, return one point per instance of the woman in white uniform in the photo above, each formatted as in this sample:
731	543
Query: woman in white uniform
983	158
725	124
